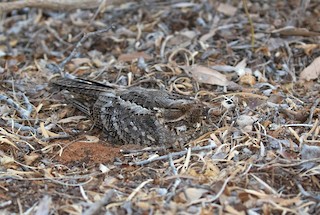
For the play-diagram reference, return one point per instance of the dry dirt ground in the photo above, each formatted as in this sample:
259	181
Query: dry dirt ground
256	63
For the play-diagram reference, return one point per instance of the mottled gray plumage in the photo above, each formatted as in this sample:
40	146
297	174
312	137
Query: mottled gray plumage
136	115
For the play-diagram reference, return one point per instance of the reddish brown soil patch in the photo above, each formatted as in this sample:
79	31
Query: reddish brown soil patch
89	153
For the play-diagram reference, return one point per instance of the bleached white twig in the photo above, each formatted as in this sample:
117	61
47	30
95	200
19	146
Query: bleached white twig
20	127
24	113
141	151
307	194
94	208
44	205
176	182
175	154
130	197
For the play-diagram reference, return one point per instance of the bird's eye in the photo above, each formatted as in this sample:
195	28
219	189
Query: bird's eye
229	102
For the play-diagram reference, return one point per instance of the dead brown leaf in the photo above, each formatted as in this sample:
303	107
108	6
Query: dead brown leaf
193	194
208	76
308	48
312	71
293	31
247	79
31	158
133	56
227	9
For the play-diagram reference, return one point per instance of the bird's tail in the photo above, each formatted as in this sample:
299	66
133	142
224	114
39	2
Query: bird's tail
81	86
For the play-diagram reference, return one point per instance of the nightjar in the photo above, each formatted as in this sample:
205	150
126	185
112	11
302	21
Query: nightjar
136	115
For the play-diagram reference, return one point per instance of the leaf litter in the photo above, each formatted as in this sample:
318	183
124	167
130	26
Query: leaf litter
259	75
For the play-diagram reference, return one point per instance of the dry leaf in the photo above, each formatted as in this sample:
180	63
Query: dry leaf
48	173
3	139
134	56
80	61
103	168
208	76
211	170
143	205
241	68
21	173
183	4
309	152
227	9
293	31
193	194
209	35
247	79
245	120
312	71
71	119
232	154
43	130
31	158
91	139
308	48
44	205
6	160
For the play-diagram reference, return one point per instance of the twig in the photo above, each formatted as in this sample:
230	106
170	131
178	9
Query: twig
24	113
62	136
242	94
12	123
135	191
176	182
44	205
13	135
245	5
312	109
305	193
175	154
51	4
213	198
297	125
265	185
54	180
80	43
27	111
19	206
141	151
94	208
5	204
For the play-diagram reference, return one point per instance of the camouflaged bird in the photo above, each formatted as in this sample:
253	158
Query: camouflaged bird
136	115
